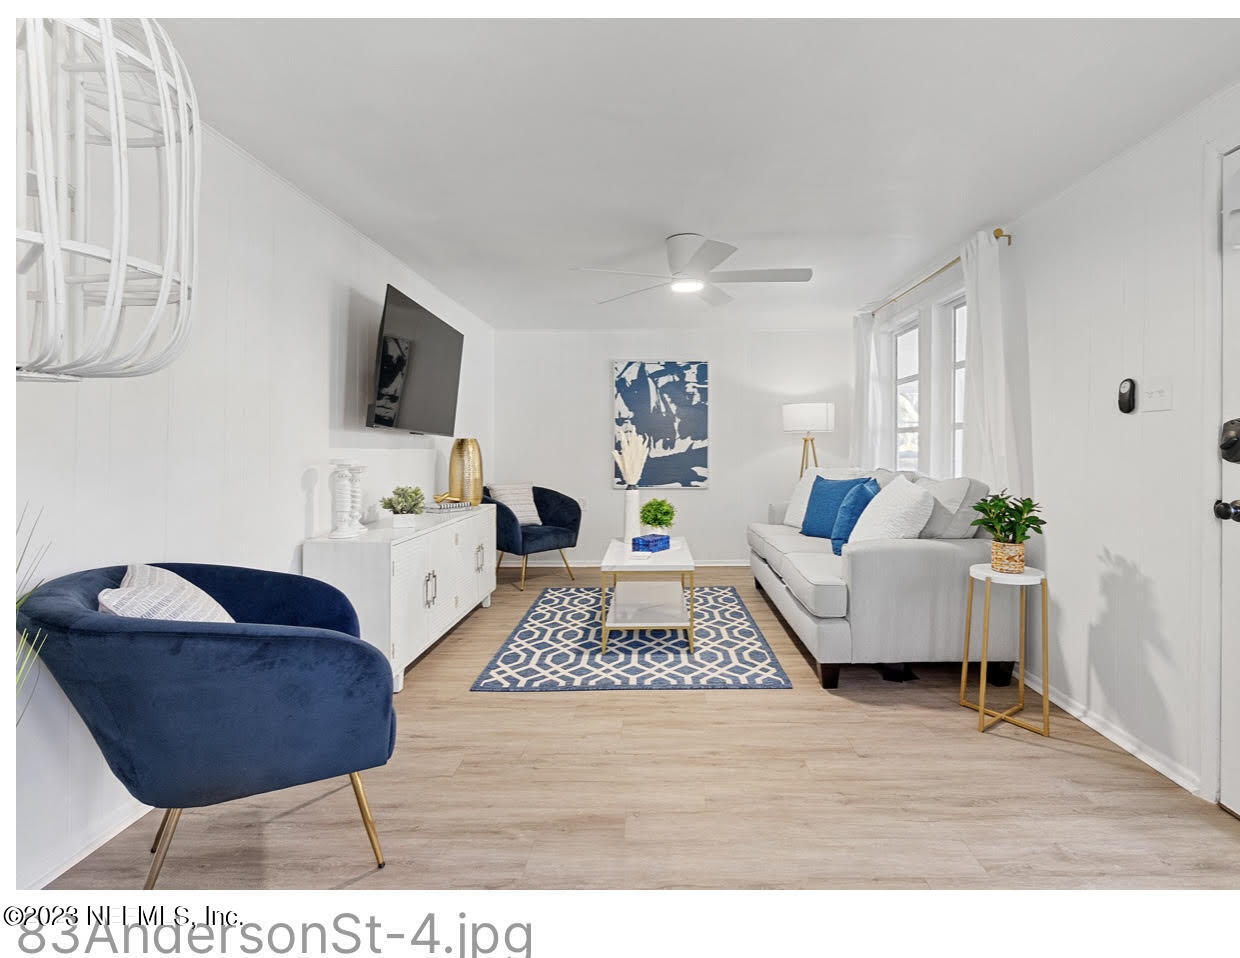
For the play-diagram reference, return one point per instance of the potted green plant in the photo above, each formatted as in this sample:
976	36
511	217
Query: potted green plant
405	503
1011	520
658	514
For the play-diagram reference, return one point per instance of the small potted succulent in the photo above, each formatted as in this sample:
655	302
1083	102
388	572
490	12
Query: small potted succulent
657	515
1011	521
405	503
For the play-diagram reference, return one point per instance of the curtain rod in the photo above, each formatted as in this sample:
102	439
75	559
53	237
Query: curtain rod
998	234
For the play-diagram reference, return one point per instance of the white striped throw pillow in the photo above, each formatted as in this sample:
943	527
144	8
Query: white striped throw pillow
148	592
519	497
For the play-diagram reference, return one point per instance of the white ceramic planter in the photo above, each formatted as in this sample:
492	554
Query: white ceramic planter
404	520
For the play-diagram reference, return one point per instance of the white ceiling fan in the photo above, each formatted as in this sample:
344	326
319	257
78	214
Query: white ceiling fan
691	262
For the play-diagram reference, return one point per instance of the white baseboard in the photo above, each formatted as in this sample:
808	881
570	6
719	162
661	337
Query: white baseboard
127	817
1155	760
556	563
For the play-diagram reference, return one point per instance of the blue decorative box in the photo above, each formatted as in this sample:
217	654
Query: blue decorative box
651	543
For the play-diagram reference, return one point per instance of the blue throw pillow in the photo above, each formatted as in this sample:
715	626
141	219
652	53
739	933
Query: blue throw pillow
850	511
824	502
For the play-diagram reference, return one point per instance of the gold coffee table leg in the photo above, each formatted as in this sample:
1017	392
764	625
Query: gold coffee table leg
602	605
692	614
1046	665
981	692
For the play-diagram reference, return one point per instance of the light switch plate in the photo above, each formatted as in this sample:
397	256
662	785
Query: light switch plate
1156	395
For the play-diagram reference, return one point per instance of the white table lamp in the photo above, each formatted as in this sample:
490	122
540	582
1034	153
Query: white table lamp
809	418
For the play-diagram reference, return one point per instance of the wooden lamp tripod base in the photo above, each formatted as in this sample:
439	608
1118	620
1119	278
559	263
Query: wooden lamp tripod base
808	449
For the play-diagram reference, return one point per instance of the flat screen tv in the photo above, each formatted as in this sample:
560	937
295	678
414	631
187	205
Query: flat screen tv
417	370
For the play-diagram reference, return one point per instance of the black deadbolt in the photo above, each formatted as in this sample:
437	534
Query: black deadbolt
1229	440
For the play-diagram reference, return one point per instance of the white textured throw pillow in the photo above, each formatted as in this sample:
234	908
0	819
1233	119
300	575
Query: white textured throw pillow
899	511
953	513
519	497
794	515
148	592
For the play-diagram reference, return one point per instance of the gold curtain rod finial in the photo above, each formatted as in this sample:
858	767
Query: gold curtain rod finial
999	234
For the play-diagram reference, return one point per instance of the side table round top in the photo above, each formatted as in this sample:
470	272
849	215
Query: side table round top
1030	576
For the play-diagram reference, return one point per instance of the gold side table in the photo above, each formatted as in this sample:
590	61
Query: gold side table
986	717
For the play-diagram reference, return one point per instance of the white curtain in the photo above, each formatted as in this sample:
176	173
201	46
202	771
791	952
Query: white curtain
872	406
996	385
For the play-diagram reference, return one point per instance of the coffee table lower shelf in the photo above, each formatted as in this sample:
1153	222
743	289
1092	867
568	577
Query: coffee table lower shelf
644	602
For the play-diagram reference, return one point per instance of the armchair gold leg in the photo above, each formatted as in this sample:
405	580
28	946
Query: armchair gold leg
567	566
367	820
160	834
499	561
524	560
162	842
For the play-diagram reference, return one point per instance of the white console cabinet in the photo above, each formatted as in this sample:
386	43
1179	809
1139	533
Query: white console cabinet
411	585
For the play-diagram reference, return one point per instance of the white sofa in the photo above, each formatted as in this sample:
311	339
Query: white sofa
882	602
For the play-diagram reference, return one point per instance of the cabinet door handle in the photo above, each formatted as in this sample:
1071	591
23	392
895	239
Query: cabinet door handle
435	587
426	590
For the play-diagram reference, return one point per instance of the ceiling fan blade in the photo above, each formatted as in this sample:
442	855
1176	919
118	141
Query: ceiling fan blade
761	276
714	295
632	293
617	272
709	255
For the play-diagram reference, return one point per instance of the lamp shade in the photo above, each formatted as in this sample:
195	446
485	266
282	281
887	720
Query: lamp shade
809	417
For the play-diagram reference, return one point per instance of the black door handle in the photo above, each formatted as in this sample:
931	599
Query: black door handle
1227	510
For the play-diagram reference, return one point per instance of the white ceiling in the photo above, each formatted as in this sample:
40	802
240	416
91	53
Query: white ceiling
493	156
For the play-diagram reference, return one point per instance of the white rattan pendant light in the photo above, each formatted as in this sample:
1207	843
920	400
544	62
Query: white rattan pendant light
108	163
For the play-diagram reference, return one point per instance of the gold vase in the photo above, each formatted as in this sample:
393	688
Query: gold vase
465	472
1007	557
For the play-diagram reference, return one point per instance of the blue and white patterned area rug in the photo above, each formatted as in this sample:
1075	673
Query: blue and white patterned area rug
556	648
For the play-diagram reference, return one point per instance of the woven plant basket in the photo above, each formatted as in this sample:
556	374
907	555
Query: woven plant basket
1007	557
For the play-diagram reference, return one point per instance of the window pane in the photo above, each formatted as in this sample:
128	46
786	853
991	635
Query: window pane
906	404
958	452
906	450
958	396
906	354
960	317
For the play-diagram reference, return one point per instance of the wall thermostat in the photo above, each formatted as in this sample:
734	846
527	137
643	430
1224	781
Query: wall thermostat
1127	395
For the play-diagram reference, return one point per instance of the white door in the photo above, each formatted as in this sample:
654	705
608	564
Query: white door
1230	725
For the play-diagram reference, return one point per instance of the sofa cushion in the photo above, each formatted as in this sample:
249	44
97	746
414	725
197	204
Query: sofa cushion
953	513
899	511
778	548
759	532
816	582
824	505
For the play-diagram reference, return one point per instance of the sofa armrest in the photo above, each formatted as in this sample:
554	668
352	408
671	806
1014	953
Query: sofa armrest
906	600
775	513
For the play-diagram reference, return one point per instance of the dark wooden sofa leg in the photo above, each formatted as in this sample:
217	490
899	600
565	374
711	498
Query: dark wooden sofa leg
829	675
1000	673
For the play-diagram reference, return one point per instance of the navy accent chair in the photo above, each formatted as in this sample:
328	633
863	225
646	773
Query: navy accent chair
560	518
189	714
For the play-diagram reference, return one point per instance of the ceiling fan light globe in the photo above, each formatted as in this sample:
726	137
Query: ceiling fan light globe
688	286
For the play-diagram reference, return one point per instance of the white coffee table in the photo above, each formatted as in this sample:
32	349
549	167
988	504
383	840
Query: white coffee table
649	589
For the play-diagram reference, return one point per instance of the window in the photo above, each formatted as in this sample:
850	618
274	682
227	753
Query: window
960	325
908	389
922	369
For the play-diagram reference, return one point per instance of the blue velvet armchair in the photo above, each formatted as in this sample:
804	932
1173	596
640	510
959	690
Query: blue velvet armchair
189	714
560	517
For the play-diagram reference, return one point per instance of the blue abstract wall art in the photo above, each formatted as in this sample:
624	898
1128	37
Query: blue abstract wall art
667	403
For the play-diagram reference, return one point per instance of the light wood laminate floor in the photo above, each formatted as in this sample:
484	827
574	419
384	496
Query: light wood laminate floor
875	785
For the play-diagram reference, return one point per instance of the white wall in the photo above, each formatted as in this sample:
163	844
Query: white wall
1114	281
554	412
223	456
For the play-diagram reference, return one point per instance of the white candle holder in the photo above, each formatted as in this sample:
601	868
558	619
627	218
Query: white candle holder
341	485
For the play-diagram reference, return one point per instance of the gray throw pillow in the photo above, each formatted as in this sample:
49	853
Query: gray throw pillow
519	497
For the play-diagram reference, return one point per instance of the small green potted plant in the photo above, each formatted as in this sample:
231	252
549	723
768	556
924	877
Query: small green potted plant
405	503
1011	521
